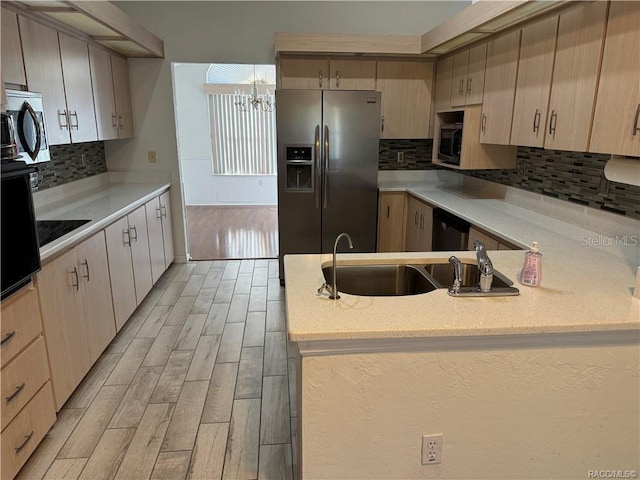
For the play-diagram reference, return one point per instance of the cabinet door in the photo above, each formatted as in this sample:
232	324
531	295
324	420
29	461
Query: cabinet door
499	88
140	253
12	63
458	83
106	118
95	292
352	75
534	83
44	74
64	325
412	235
303	73
406	98
74	54
167	228
490	243
444	72
391	222
122	93
121	270
475	74
616	123
425	228
575	73
156	244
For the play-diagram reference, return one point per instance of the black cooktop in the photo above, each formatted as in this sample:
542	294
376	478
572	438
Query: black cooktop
50	230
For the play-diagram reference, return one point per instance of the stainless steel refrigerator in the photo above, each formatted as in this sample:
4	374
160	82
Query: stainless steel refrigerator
327	169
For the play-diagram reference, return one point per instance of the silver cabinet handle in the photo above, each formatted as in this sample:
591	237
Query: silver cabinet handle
483	124
320	78
114	121
63	114
8	337
635	122
164	210
461	86
317	164
77	283
382	124
17	391
126	237
86	264
71	124
421	222
469	79
388	211
552	123
337	79
159	213
325	183
24	443
120	121
415	219
536	121
135	231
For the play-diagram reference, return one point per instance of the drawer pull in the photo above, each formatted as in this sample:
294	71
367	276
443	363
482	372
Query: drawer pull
75	284
24	443
135	231
88	275
159	211
19	388
8	337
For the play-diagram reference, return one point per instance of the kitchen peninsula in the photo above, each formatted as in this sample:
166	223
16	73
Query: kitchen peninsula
529	375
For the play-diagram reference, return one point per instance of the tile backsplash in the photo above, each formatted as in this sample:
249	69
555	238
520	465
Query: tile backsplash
571	176
69	163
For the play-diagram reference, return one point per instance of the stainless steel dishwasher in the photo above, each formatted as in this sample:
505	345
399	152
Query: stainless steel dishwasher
450	233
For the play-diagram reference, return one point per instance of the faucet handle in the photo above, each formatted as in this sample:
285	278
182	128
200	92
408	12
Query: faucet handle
484	262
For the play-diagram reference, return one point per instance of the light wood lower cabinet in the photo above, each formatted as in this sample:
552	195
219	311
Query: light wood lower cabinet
139	241
167	228
419	229
391	221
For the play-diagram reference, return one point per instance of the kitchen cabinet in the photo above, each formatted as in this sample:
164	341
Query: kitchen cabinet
537	52
616	122
129	263
103	96
160	235
57	66
12	62
122	94
444	74
489	241
391	221
575	74
467	83
499	88
419	228
406	98
327	74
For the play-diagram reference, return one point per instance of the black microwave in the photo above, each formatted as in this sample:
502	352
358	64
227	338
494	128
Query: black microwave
450	143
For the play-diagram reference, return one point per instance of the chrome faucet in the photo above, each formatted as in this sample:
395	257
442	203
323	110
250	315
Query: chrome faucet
484	266
333	288
457	274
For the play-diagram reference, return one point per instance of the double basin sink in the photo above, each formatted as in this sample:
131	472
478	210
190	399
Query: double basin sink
395	280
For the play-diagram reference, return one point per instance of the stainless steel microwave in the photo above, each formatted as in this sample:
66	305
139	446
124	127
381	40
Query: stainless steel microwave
26	110
450	143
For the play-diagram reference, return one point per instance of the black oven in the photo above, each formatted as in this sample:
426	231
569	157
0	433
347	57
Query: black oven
20	248
450	143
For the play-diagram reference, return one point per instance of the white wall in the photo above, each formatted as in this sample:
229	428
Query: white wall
200	186
235	32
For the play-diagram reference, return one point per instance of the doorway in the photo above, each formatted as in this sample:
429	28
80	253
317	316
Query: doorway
227	155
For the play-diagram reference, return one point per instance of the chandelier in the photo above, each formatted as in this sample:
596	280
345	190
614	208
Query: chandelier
244	102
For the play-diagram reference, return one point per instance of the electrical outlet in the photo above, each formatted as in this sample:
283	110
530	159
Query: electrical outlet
400	157
152	156
432	449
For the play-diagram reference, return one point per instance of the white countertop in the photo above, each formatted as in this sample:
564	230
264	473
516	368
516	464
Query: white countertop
587	284
102	205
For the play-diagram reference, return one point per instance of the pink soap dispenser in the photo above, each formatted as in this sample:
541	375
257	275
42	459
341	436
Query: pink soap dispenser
532	268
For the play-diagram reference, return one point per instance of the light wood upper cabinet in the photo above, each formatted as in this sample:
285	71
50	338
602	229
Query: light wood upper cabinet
419	226
303	73
95	291
44	74
81	116
121	270
12	62
352	74
537	51
616	122
406	98
122	94
467	83
105	103
444	74
391	221
573	87
499	88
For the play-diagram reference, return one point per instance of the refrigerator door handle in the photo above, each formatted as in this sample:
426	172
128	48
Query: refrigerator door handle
317	165
325	183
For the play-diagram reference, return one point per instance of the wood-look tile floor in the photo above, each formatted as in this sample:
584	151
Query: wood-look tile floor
232	232
196	385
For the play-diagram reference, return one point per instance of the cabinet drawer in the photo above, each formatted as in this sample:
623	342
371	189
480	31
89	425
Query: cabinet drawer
22	435
20	322
22	378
